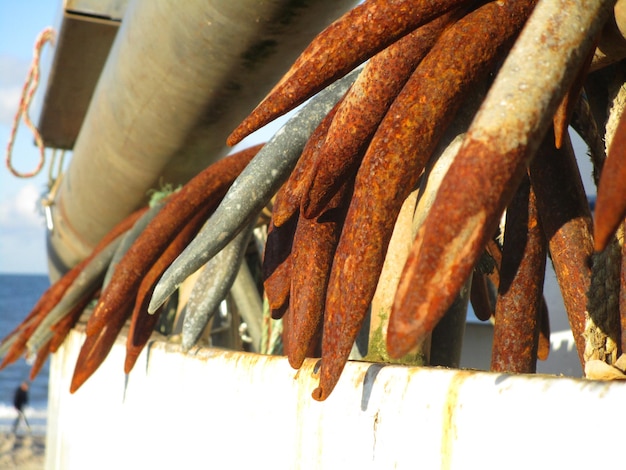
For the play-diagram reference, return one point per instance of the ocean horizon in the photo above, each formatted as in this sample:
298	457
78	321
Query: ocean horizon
18	295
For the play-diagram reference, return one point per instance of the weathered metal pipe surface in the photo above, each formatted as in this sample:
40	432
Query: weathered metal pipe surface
253	189
177	81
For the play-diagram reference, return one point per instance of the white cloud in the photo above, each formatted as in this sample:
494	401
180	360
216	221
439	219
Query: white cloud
21	210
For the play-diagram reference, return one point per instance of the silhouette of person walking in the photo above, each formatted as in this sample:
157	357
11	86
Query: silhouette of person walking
19	400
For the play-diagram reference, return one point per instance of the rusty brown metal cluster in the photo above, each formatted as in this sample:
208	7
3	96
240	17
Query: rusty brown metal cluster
162	240
334	216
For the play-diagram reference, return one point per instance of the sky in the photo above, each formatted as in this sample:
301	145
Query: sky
22	226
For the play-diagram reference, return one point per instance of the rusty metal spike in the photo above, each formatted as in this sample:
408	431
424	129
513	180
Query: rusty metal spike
277	264
480	298
390	169
346	43
206	189
142	323
362	110
55	293
315	242
520	294
565	110
62	328
97	346
566	220
490	165
543	345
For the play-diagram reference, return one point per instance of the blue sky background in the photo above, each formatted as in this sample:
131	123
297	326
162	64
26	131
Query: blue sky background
22	227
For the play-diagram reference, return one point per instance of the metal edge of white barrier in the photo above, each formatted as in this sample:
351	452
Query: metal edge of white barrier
222	409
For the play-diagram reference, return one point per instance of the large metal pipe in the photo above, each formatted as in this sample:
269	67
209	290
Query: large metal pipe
179	78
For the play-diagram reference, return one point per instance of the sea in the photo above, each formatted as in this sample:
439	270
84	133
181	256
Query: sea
18	295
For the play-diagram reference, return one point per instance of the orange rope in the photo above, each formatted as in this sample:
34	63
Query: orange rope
30	86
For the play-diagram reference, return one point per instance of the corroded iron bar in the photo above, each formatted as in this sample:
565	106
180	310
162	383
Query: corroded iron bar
363	108
346	43
206	189
401	147
277	264
314	245
16	342
520	300
503	137
566	220
141	322
480	298
253	189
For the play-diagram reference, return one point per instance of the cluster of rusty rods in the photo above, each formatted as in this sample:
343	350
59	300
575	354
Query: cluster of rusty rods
340	171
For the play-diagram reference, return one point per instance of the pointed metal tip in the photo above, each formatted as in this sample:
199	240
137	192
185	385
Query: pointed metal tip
161	293
400	343
319	394
130	360
235	137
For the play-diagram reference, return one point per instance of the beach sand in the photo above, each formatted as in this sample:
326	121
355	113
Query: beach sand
23	452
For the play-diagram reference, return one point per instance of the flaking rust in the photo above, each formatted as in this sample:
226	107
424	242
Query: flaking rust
503	137
362	110
392	164
566	220
142	323
451	240
315	242
207	188
349	41
520	293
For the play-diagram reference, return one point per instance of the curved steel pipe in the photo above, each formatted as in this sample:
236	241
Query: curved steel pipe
178	79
